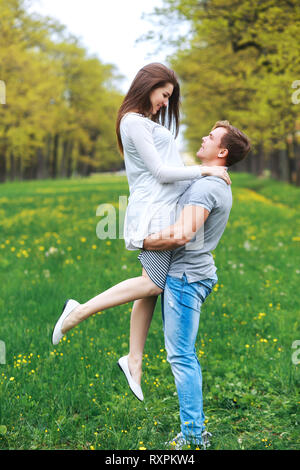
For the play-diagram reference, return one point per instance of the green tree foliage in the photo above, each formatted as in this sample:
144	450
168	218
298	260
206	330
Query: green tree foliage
61	104
238	62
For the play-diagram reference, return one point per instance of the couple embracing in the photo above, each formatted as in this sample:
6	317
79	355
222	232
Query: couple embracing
176	216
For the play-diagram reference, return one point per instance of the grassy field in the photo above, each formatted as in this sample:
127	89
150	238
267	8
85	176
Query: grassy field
73	396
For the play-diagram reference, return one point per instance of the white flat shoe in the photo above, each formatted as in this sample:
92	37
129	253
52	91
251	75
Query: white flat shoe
69	305
135	388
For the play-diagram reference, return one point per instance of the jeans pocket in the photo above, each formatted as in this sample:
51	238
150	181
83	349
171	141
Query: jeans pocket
204	292
191	300
205	287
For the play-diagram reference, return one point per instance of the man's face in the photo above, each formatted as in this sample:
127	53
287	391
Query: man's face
211	145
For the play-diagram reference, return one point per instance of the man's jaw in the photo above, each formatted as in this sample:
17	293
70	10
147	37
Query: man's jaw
200	153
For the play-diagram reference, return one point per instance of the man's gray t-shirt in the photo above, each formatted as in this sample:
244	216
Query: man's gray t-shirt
195	258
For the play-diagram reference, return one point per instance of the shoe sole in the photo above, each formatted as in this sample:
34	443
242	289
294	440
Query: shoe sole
59	317
128	383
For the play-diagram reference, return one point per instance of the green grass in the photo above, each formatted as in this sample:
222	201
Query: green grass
73	396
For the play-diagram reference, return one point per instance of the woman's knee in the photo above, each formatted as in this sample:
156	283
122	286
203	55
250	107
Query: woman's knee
153	288
157	290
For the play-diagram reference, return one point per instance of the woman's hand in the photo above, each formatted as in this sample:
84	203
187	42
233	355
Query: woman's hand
220	171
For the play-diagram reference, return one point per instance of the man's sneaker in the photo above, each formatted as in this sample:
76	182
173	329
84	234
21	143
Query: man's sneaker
179	441
205	439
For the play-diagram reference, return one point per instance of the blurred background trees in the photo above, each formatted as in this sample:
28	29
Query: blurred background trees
236	60
60	103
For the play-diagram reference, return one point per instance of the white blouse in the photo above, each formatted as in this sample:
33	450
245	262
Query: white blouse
156	176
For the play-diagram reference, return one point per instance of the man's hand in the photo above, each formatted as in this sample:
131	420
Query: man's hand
219	171
183	231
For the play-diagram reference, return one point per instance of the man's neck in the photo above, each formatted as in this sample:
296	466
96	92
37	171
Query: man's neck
215	162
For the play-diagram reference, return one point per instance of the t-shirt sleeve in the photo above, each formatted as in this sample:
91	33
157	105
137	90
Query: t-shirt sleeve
203	193
140	134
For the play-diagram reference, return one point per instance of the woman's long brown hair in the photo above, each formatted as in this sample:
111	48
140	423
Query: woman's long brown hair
149	78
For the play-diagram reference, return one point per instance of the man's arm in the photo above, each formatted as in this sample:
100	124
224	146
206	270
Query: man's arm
183	231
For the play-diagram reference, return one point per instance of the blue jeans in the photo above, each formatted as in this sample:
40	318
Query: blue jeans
181	305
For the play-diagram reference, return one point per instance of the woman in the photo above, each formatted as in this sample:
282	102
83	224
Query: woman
149	110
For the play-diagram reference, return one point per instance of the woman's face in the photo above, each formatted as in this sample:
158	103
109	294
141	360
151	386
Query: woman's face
160	97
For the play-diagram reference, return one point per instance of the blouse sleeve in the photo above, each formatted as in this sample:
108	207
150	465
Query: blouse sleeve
142	138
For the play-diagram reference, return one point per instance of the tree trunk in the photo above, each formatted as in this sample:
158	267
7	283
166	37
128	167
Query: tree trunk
48	147
12	167
40	171
283	165
297	160
69	159
291	163
2	167
63	167
53	172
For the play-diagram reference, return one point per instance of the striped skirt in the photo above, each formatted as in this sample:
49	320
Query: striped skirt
156	265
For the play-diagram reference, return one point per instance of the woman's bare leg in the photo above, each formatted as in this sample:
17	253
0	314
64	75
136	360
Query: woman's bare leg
140	321
122	293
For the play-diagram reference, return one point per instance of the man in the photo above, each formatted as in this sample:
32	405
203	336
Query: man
204	210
